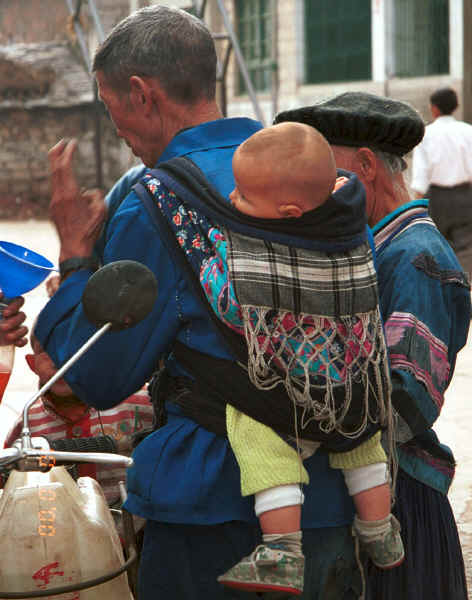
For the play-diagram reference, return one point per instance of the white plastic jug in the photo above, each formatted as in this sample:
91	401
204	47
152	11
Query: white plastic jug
55	532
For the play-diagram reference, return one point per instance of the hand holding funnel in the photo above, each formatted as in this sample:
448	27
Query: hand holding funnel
21	269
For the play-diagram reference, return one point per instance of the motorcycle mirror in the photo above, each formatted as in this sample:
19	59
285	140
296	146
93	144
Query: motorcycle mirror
121	293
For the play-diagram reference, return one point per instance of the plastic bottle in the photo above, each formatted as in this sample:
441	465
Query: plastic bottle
56	532
7	357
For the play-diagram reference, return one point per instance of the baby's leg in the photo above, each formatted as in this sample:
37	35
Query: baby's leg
272	471
366	476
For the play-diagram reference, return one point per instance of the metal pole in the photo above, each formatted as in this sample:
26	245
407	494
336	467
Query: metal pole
241	63
80	36
96	20
25	434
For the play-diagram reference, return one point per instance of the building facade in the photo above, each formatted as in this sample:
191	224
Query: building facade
301	51
296	52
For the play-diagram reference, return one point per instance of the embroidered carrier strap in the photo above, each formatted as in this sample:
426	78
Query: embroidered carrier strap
231	340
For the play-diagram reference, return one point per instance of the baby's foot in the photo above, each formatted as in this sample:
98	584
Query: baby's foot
381	540
270	568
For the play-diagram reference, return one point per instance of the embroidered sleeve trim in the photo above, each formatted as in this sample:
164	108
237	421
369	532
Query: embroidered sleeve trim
414	348
426	263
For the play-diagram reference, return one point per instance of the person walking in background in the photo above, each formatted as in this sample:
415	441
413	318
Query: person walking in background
442	170
426	307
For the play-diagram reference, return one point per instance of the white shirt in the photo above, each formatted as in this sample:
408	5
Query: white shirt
444	157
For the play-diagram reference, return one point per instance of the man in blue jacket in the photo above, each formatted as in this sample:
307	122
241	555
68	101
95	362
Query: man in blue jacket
156	75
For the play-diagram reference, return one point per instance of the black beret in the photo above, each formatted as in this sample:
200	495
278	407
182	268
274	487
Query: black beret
361	119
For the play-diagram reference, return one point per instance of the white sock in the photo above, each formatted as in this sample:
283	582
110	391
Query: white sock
278	497
292	540
363	478
372	529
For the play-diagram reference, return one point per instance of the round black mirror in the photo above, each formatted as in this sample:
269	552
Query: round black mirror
122	292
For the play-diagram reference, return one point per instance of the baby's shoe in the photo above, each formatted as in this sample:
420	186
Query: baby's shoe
270	568
381	541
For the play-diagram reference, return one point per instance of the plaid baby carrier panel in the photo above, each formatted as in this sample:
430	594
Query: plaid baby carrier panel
278	276
312	320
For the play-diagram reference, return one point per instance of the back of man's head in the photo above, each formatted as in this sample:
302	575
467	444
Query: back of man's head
445	99
163	43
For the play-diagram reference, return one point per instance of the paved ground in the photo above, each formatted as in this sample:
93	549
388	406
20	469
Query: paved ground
455	429
454	426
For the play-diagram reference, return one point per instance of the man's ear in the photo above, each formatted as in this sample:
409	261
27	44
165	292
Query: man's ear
365	163
140	94
290	210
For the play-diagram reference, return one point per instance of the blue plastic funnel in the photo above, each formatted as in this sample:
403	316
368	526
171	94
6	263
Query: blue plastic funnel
21	269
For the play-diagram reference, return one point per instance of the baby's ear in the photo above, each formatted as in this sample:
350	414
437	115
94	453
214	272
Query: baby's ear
290	210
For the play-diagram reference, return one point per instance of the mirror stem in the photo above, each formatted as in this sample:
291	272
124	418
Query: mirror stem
25	433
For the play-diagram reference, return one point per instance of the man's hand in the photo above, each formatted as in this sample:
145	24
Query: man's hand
11	329
78	215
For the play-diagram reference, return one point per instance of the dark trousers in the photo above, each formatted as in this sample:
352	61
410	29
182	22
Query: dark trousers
182	562
451	210
434	566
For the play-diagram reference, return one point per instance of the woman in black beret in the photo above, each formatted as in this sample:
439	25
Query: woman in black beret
425	304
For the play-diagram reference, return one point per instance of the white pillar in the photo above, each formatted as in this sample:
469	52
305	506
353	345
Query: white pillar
456	39
380	39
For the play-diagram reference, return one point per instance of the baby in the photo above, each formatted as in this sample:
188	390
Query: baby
286	172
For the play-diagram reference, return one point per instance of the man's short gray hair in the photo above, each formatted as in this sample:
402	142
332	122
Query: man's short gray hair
393	163
163	43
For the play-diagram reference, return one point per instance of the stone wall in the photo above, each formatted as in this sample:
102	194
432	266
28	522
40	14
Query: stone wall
27	21
46	95
33	21
25	139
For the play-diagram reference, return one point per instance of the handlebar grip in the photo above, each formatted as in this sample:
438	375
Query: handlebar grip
103	443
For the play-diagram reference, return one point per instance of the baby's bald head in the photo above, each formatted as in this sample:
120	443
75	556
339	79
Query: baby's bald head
289	163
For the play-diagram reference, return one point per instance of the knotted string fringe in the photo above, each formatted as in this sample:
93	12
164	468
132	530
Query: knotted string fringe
315	355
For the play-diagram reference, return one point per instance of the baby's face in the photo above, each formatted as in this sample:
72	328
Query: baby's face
254	203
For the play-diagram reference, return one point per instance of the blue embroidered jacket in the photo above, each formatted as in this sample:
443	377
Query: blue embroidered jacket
425	303
182	472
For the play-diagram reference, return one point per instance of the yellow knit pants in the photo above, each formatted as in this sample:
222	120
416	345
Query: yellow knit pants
266	461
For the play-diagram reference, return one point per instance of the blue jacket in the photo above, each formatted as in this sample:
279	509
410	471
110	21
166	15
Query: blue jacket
182	472
425	303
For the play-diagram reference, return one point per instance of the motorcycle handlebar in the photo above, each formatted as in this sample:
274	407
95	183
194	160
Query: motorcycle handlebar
57	457
103	443
41	459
